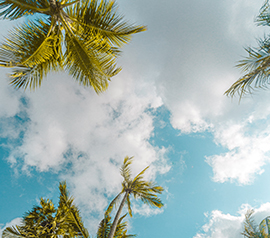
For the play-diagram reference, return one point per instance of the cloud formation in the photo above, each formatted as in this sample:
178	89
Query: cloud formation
230	226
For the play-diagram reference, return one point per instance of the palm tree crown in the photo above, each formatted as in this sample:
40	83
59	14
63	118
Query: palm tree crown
146	191
257	64
83	37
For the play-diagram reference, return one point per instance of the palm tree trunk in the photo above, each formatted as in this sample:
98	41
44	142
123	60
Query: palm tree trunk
117	216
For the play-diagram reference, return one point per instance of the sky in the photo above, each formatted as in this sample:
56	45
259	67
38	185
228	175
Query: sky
166	108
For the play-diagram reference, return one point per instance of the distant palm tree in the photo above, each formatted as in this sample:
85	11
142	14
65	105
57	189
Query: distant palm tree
139	188
47	221
83	37
257	64
251	230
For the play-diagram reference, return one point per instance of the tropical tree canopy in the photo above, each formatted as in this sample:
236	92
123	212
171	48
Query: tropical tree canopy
82	37
256	65
141	189
64	221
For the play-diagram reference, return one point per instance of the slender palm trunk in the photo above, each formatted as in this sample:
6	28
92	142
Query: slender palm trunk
117	216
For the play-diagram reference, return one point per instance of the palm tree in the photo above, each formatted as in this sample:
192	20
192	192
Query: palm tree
251	230
82	37
46	221
257	64
139	188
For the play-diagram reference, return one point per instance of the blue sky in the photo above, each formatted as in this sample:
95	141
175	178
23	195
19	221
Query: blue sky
166	108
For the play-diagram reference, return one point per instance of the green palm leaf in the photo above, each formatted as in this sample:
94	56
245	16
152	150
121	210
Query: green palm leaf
13	9
89	67
32	52
73	222
100	17
125	170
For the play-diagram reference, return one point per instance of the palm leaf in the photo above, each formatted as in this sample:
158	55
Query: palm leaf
32	53
89	67
125	170
113	203
13	9
72	216
257	66
100	17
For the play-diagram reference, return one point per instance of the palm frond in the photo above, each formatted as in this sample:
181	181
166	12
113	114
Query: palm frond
101	18
129	205
125	170
264	17
257	66
14	9
113	203
32	53
73	222
250	228
89	67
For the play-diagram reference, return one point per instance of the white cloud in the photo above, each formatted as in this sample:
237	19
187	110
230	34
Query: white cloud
230	226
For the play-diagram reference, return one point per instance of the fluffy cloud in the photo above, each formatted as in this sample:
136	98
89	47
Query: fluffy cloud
230	226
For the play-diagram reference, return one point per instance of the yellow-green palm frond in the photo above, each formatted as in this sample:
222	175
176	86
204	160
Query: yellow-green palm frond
32	53
89	67
250	228
113	203
129	205
147	193
13	9
125	170
101	17
70	214
105	226
257	66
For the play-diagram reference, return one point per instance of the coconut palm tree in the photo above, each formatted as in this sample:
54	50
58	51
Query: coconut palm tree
257	65
144	190
82	37
47	221
251	230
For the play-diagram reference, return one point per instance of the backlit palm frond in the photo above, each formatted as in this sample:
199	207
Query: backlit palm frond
250	228
14	232
101	17
129	206
31	53
13	9
264	16
104	227
147	192
121	229
89	67
125	170
70	214
257	66
112	204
